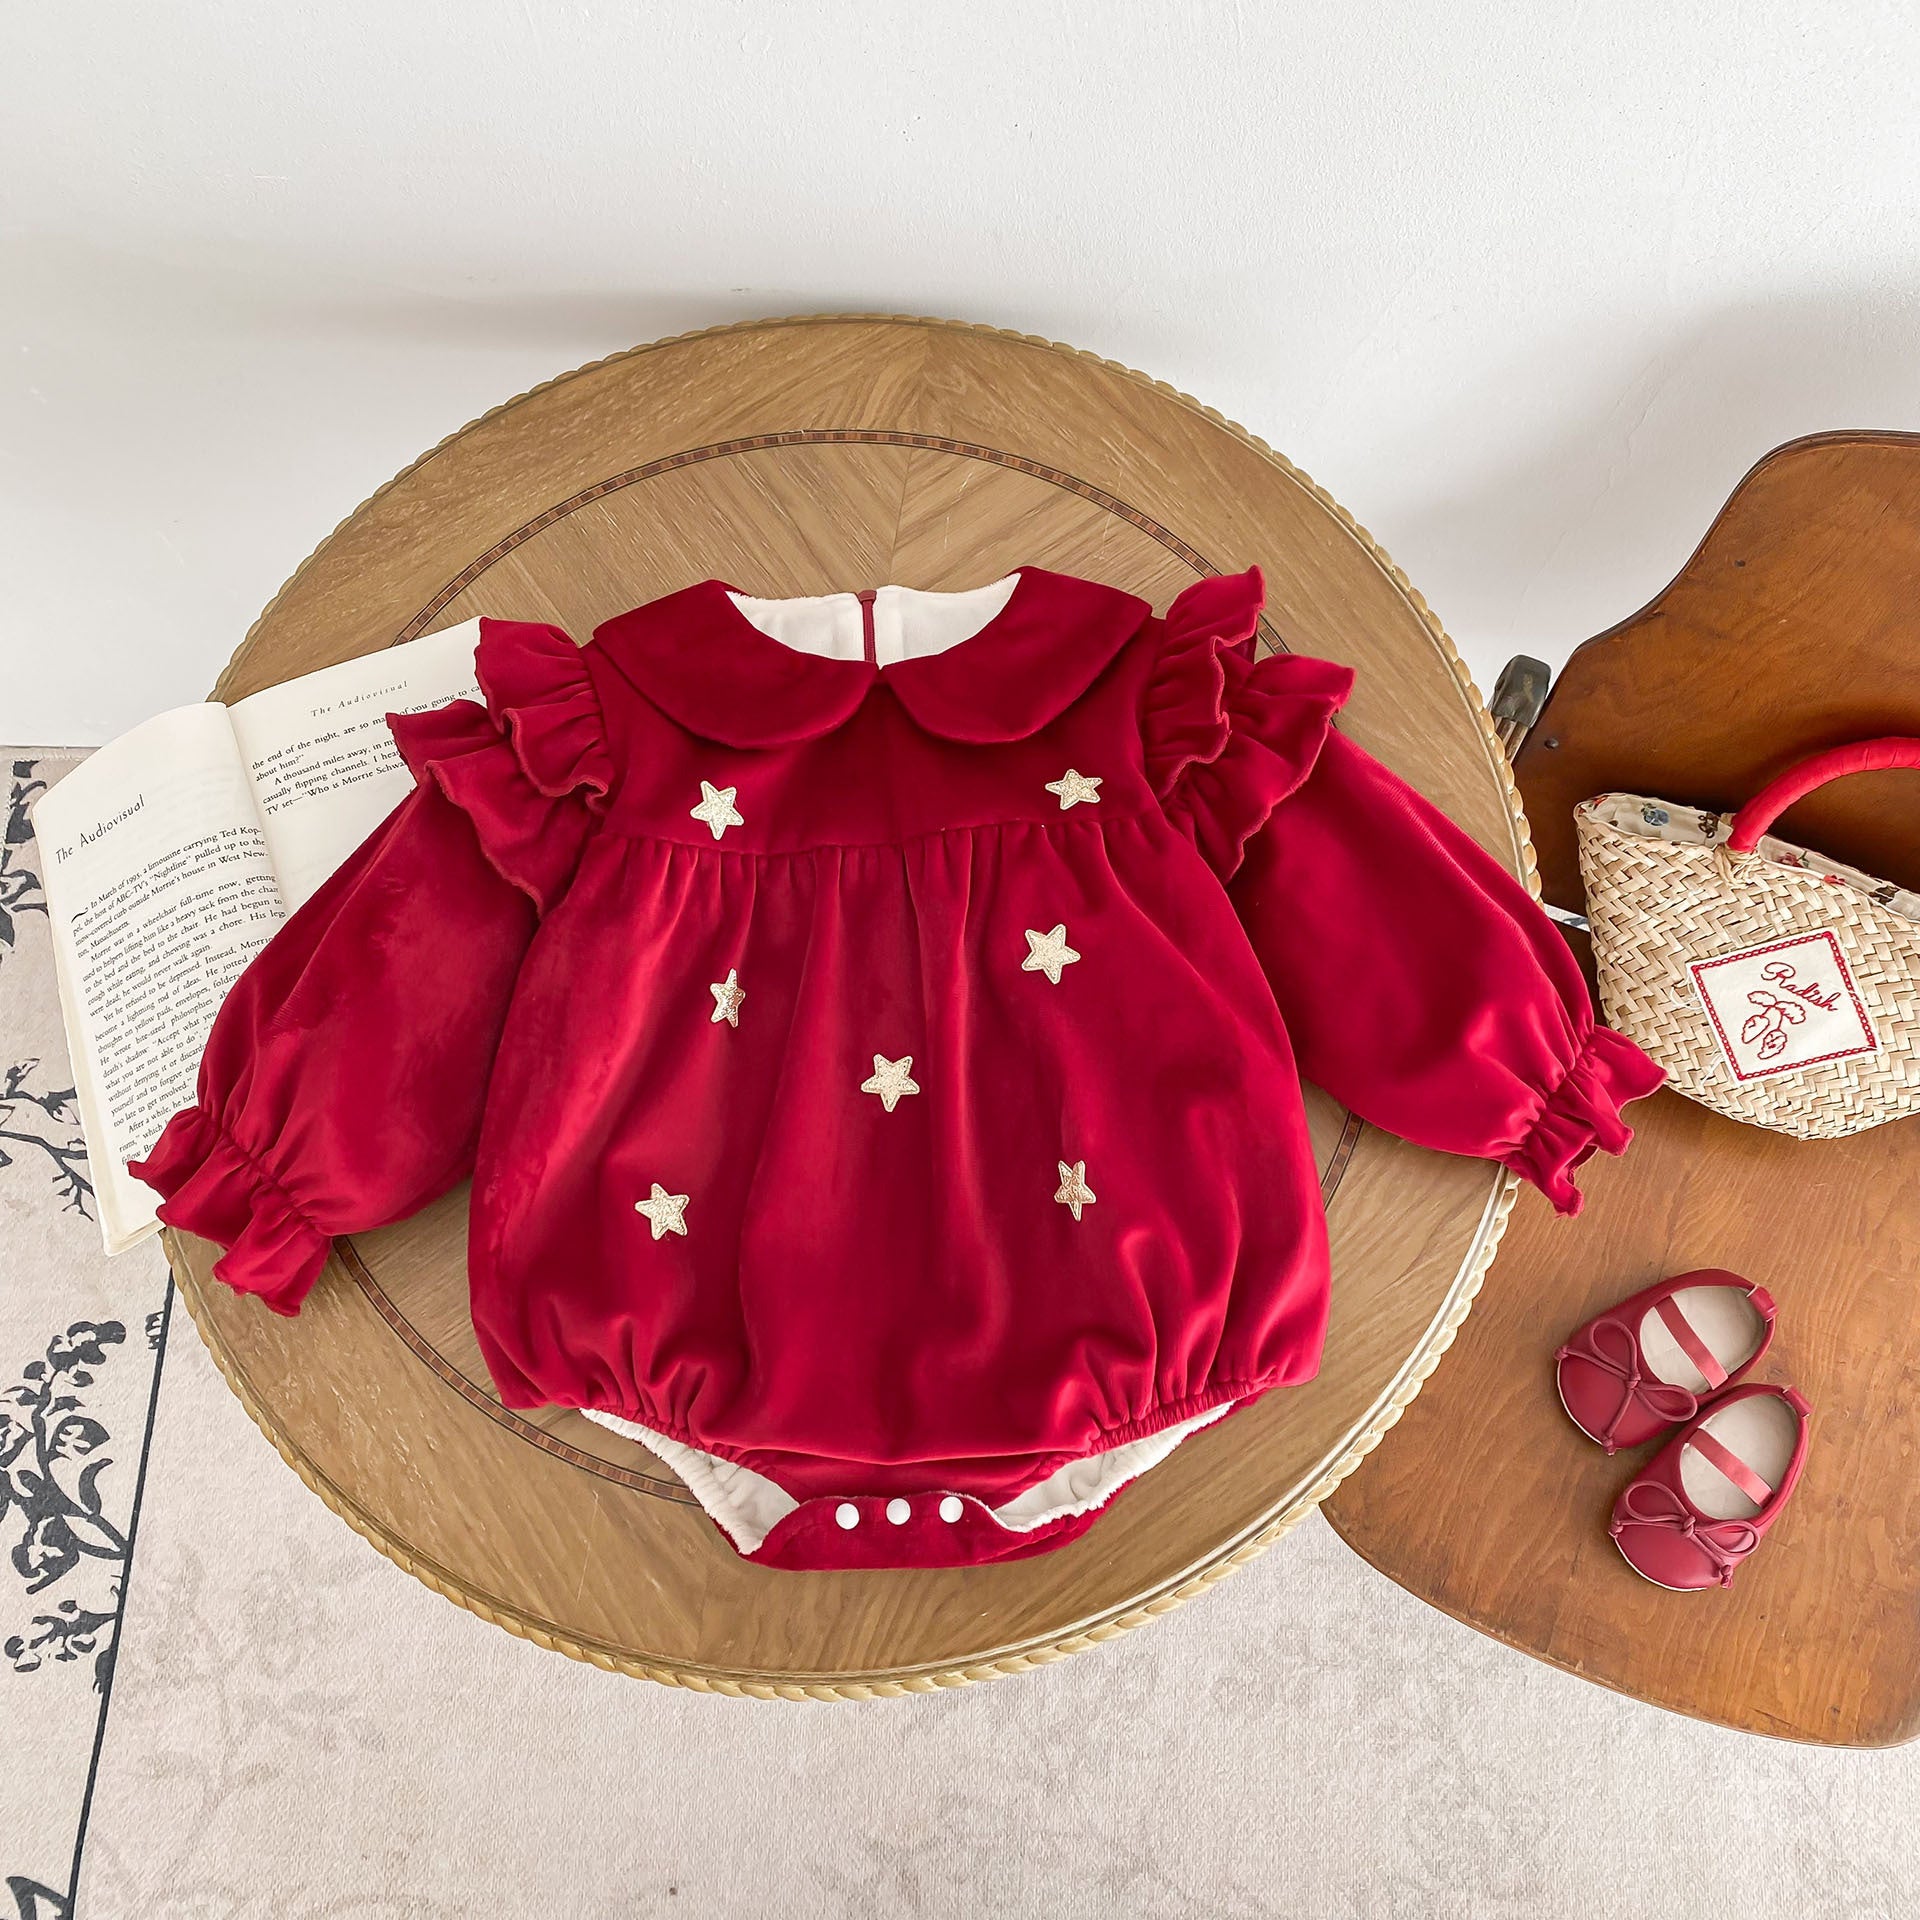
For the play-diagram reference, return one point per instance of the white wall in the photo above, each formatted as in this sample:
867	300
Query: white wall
1528	287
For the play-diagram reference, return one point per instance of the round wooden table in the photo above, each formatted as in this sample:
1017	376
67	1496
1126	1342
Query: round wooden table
799	457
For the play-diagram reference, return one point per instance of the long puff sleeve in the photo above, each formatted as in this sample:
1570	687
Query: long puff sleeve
1421	984
343	1083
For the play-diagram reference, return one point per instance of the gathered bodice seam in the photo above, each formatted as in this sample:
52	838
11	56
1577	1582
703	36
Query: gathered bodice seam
610	831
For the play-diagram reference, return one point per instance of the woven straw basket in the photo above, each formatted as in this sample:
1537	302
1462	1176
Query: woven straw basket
1774	985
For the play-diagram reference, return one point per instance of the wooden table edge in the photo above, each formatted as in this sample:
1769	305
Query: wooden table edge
1786	450
887	1683
1492	1631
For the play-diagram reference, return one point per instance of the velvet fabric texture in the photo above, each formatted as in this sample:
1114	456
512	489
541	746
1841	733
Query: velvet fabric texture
520	976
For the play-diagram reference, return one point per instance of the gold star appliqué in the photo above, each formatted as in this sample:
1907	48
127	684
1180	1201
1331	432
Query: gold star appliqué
1049	953
727	995
1074	1193
892	1080
666	1212
1074	786
716	808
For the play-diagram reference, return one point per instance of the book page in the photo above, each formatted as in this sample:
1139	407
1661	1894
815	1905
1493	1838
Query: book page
159	891
323	764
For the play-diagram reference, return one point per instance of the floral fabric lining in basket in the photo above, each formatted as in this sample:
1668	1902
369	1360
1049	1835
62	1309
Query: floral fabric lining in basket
1695	827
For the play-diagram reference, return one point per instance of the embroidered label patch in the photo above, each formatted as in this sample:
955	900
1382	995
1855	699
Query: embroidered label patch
1787	1005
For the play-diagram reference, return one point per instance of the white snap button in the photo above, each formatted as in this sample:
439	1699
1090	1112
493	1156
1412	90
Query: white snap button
899	1512
951	1508
847	1515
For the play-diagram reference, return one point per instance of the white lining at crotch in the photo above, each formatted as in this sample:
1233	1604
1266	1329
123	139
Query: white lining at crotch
747	1506
1082	1485
909	623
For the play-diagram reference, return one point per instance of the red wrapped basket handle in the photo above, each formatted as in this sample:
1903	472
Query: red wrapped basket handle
1864	756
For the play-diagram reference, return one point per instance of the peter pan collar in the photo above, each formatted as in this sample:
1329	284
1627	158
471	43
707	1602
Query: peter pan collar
698	658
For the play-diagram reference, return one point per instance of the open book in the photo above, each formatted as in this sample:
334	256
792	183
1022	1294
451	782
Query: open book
170	857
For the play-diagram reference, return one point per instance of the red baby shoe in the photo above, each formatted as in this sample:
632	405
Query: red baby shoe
1706	1498
1648	1362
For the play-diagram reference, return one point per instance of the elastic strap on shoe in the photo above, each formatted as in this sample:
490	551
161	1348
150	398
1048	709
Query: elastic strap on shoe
1736	1469
1690	1342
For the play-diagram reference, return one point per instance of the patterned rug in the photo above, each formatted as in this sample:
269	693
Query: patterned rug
218	1703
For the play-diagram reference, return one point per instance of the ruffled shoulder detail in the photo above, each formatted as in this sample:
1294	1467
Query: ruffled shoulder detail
540	691
531	769
1185	716
1227	737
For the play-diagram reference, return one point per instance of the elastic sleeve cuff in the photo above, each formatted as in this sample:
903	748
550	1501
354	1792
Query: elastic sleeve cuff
211	1187
1583	1114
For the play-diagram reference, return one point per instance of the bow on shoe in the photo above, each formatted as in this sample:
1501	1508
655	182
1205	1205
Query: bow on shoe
1649	1503
1658	1395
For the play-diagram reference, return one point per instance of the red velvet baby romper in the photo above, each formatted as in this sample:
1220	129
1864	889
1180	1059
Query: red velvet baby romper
873	1026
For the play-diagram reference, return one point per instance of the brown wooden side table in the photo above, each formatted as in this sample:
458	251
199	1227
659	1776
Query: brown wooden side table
1795	626
798	457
